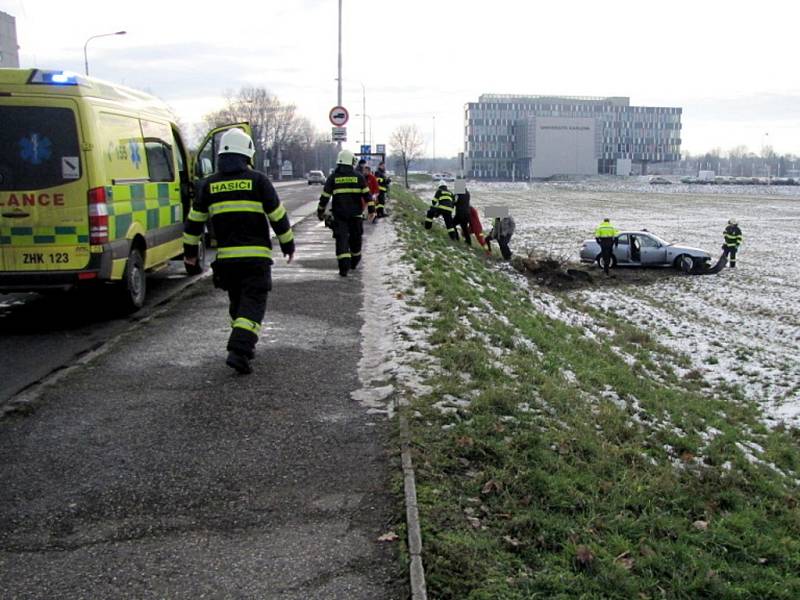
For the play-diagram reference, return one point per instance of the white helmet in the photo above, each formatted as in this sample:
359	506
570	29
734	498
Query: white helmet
236	141
732	222
442	183
346	157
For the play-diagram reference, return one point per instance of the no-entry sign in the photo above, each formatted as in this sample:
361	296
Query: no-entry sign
339	116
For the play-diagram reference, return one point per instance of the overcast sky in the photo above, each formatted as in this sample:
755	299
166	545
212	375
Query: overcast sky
734	71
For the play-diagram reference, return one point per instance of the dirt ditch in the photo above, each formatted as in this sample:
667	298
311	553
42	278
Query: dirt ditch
557	273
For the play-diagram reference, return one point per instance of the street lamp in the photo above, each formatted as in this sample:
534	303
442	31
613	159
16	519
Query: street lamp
370	126
434	143
85	56
363	112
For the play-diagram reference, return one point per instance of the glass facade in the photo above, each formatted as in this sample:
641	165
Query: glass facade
499	140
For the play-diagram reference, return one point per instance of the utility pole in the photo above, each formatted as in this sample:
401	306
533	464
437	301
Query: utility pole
339	78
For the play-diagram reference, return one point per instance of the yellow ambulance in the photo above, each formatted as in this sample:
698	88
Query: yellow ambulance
95	183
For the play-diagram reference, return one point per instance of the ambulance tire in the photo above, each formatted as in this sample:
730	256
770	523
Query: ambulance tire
201	259
133	287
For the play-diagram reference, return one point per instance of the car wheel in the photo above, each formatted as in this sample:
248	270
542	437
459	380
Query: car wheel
133	287
599	261
684	263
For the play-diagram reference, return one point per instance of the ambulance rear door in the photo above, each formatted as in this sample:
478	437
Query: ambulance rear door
44	221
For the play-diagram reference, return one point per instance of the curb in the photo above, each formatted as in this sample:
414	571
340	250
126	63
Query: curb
416	571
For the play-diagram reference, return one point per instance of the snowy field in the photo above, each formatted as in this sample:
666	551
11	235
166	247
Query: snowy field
741	326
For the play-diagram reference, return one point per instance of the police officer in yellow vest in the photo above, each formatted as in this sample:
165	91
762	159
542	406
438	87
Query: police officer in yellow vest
240	203
443	205
349	195
606	235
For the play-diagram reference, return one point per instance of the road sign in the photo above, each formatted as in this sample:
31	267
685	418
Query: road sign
339	116
366	149
339	134
380	148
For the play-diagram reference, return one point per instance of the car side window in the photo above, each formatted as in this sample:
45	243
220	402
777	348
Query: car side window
648	242
623	240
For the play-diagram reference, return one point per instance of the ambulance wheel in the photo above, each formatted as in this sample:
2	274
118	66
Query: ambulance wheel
133	287
201	259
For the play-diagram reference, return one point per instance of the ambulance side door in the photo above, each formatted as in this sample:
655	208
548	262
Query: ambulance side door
204	163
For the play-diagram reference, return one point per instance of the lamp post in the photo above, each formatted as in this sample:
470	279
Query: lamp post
94	37
363	112
434	143
370	126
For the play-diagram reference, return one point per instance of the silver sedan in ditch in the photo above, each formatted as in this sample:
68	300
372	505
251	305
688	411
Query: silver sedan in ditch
642	248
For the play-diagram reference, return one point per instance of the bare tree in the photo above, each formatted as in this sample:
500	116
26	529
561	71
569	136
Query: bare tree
406	142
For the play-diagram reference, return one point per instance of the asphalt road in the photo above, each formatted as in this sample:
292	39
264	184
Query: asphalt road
41	334
154	471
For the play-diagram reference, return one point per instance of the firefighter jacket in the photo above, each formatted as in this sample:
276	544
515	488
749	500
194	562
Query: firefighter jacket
348	193
444	200
383	180
240	202
733	236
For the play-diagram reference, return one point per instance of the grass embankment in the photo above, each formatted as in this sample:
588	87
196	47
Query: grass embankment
550	466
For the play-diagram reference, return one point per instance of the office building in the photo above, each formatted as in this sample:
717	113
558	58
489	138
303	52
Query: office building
9	51
526	137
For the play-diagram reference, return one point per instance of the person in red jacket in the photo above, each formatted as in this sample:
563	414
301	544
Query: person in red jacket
372	182
476	228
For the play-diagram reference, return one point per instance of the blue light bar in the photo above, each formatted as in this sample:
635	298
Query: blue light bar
43	77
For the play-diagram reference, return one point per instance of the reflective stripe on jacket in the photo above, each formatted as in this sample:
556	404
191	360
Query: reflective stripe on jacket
242	205
348	193
444	200
733	236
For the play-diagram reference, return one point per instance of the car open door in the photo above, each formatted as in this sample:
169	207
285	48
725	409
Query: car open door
653	252
204	163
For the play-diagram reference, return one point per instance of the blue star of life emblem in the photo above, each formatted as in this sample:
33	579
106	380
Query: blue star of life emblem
35	149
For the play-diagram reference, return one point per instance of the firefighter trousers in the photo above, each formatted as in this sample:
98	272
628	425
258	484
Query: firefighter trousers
348	233
447	215
247	283
730	252
380	205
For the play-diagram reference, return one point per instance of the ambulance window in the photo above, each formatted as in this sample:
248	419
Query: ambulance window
38	147
158	150
159	160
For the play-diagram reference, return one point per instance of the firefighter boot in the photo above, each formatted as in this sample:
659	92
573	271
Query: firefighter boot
344	266
239	362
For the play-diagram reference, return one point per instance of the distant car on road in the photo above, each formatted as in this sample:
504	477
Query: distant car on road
316	177
642	248
658	180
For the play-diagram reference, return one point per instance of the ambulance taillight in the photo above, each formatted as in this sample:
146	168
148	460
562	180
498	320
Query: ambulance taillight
98	216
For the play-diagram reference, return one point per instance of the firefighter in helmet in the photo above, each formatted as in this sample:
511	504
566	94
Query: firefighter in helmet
241	204
348	193
443	205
